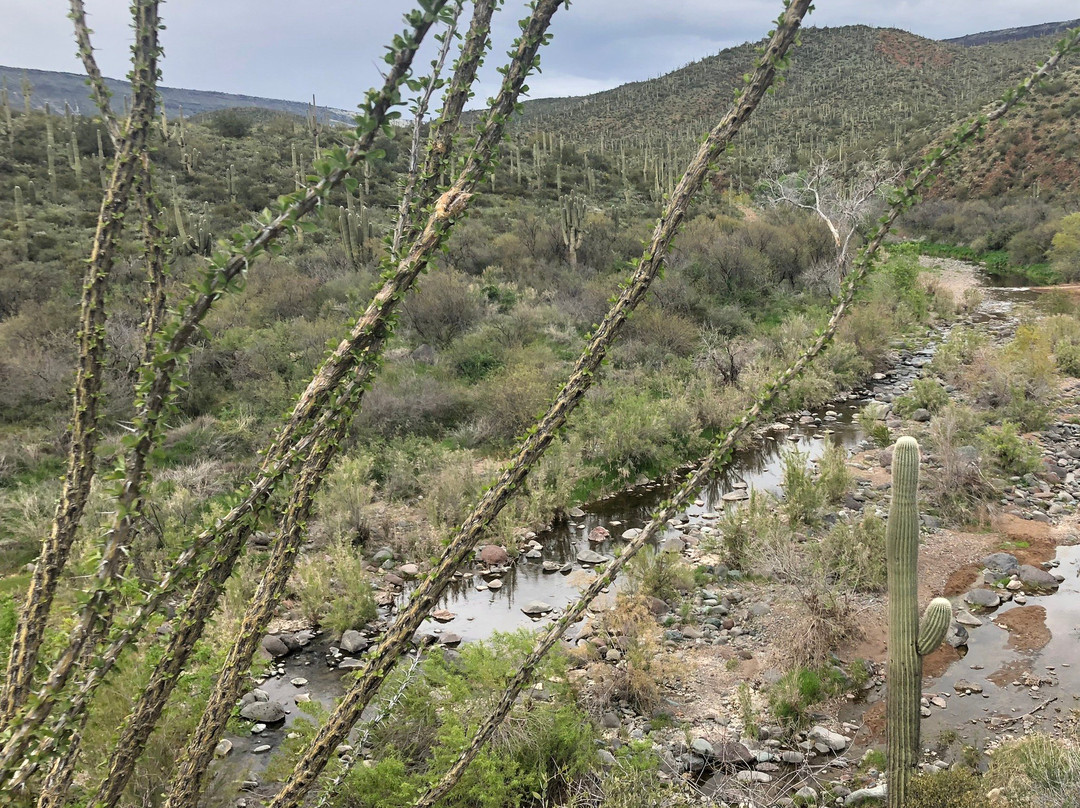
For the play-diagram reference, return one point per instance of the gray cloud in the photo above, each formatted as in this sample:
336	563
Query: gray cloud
332	48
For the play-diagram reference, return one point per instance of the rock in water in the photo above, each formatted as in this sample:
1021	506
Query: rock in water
353	642
1036	579
265	712
493	554
443	615
535	608
590	557
985	598
599	534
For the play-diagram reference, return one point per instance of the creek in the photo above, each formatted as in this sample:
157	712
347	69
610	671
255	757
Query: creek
478	610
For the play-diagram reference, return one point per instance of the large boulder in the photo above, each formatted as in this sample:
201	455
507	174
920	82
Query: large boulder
275	646
263	712
353	642
1001	563
983	598
494	555
535	608
1037	579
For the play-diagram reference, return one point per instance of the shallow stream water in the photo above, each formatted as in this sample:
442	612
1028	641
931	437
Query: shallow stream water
480	611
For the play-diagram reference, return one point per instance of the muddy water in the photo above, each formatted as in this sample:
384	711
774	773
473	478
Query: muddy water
1016	671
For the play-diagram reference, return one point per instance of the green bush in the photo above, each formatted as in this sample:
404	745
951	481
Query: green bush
792	696
1038	771
1067	357
926	394
852	554
803	497
1013	453
834	476
871	420
661	575
533	758
334	590
954	788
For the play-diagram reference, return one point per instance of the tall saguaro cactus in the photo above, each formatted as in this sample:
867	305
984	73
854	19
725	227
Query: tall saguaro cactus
909	641
573	225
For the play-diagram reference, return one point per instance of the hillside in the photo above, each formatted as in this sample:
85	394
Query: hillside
850	91
56	89
1012	34
1037	151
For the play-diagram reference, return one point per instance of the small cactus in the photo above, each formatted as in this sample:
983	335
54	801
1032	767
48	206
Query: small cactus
909	641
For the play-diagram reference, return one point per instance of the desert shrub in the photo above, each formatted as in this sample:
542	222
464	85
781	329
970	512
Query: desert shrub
510	401
1030	246
660	575
633	629
654	336
823	618
953	788
1067	358
958	486
834	476
414	401
792	696
445	306
451	487
1013	453
541	749
399	465
343	501
8	614
957	352
869	328
634	783
736	532
1065	250
852	554
803	497
334	590
627	430
1038	771
231	123
871	418
926	394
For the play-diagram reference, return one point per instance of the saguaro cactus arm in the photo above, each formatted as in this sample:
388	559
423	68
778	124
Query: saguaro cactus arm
934	626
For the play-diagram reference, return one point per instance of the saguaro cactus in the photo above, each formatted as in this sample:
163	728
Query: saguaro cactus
20	217
909	641
573	223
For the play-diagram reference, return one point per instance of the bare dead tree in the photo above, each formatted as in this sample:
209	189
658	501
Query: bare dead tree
843	203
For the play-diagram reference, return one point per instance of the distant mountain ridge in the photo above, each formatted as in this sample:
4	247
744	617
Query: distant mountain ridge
1014	34
56	88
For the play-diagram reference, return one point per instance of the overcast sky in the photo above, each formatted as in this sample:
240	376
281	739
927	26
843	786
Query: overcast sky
291	49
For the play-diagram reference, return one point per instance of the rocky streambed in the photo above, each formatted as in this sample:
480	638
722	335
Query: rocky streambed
997	686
